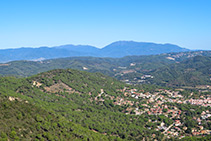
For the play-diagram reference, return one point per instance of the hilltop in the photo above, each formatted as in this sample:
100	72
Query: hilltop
130	48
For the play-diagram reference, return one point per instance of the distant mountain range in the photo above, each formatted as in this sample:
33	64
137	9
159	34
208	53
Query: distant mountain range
170	69
115	50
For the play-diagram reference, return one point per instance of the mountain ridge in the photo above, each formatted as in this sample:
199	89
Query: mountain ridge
114	50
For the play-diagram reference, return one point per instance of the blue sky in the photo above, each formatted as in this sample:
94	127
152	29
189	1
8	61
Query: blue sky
34	23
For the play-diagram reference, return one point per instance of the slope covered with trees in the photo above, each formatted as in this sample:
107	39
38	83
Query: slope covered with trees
21	120
72	94
88	106
107	66
191	72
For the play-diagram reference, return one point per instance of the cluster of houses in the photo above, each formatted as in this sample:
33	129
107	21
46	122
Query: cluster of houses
155	104
202	102
188	54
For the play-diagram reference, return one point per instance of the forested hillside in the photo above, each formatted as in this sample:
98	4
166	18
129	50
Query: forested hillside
77	105
191	72
72	94
21	120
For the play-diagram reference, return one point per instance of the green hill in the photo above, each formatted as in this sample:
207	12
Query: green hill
76	96
78	105
107	66
191	72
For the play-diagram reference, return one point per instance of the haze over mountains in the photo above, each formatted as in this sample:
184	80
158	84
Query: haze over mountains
114	50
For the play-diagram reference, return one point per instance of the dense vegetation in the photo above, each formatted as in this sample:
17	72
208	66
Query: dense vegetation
77	105
191	72
103	65
21	120
70	105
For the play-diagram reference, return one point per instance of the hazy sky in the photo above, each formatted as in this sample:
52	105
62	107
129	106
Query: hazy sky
34	23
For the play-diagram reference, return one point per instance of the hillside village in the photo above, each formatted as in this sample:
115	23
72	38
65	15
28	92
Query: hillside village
159	103
161	111
174	112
